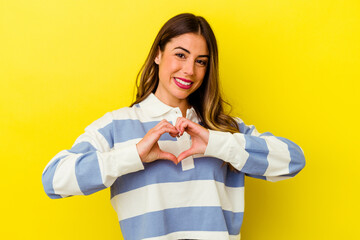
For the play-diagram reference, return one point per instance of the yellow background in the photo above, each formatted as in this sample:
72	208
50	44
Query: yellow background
288	67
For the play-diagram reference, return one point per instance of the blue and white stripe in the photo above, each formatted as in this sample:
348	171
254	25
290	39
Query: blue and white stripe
160	200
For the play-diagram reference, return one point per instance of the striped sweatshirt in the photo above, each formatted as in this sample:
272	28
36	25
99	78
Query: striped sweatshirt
200	198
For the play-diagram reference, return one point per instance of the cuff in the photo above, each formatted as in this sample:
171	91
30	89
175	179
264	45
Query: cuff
119	162
227	147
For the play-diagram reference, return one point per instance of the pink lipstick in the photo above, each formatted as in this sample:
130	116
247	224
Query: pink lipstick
183	83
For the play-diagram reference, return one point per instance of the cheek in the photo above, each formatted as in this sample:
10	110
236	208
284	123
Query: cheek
174	66
201	73
169	67
199	80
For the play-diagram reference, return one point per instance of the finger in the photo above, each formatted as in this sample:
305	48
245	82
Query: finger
185	154
174	135
183	126
193	129
162	123
180	121
171	130
169	125
168	156
155	134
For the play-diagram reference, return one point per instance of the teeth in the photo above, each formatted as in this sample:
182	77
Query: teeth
182	82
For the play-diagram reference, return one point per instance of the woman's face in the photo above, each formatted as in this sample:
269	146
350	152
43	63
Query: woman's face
182	67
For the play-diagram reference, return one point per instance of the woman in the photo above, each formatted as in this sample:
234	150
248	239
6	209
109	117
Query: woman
174	160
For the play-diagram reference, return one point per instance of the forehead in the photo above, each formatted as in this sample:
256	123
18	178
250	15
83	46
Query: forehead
193	42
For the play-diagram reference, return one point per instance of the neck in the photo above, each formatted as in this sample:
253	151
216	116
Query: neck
183	104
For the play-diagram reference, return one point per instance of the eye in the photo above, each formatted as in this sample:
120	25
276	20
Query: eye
180	55
201	62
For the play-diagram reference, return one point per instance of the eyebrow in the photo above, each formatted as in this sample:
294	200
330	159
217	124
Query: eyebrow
189	52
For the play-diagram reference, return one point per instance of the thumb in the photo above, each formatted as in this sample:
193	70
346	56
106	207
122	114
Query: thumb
185	154
168	156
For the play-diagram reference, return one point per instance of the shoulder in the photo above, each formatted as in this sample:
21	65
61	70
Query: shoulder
238	120
246	129
109	117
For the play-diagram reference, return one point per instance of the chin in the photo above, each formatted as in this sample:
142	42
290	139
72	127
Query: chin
182	96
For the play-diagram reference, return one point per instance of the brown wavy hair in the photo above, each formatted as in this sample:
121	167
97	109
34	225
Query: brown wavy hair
206	100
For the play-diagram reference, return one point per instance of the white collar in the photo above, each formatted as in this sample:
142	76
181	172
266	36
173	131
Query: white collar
155	108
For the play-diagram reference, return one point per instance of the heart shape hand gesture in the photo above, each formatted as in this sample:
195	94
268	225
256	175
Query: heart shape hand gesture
149	150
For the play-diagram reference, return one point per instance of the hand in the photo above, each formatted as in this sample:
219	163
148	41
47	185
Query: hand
148	148
199	137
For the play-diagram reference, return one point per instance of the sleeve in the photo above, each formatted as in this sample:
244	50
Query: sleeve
263	156
90	165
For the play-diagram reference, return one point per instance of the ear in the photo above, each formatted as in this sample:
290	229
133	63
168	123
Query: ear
158	56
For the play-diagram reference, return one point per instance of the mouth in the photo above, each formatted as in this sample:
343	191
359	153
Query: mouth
183	83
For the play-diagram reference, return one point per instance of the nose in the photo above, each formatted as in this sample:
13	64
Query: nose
188	67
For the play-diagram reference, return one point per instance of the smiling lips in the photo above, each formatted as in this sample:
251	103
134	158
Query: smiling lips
183	83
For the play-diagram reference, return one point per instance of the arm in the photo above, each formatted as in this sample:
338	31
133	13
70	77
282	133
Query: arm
263	156
90	165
